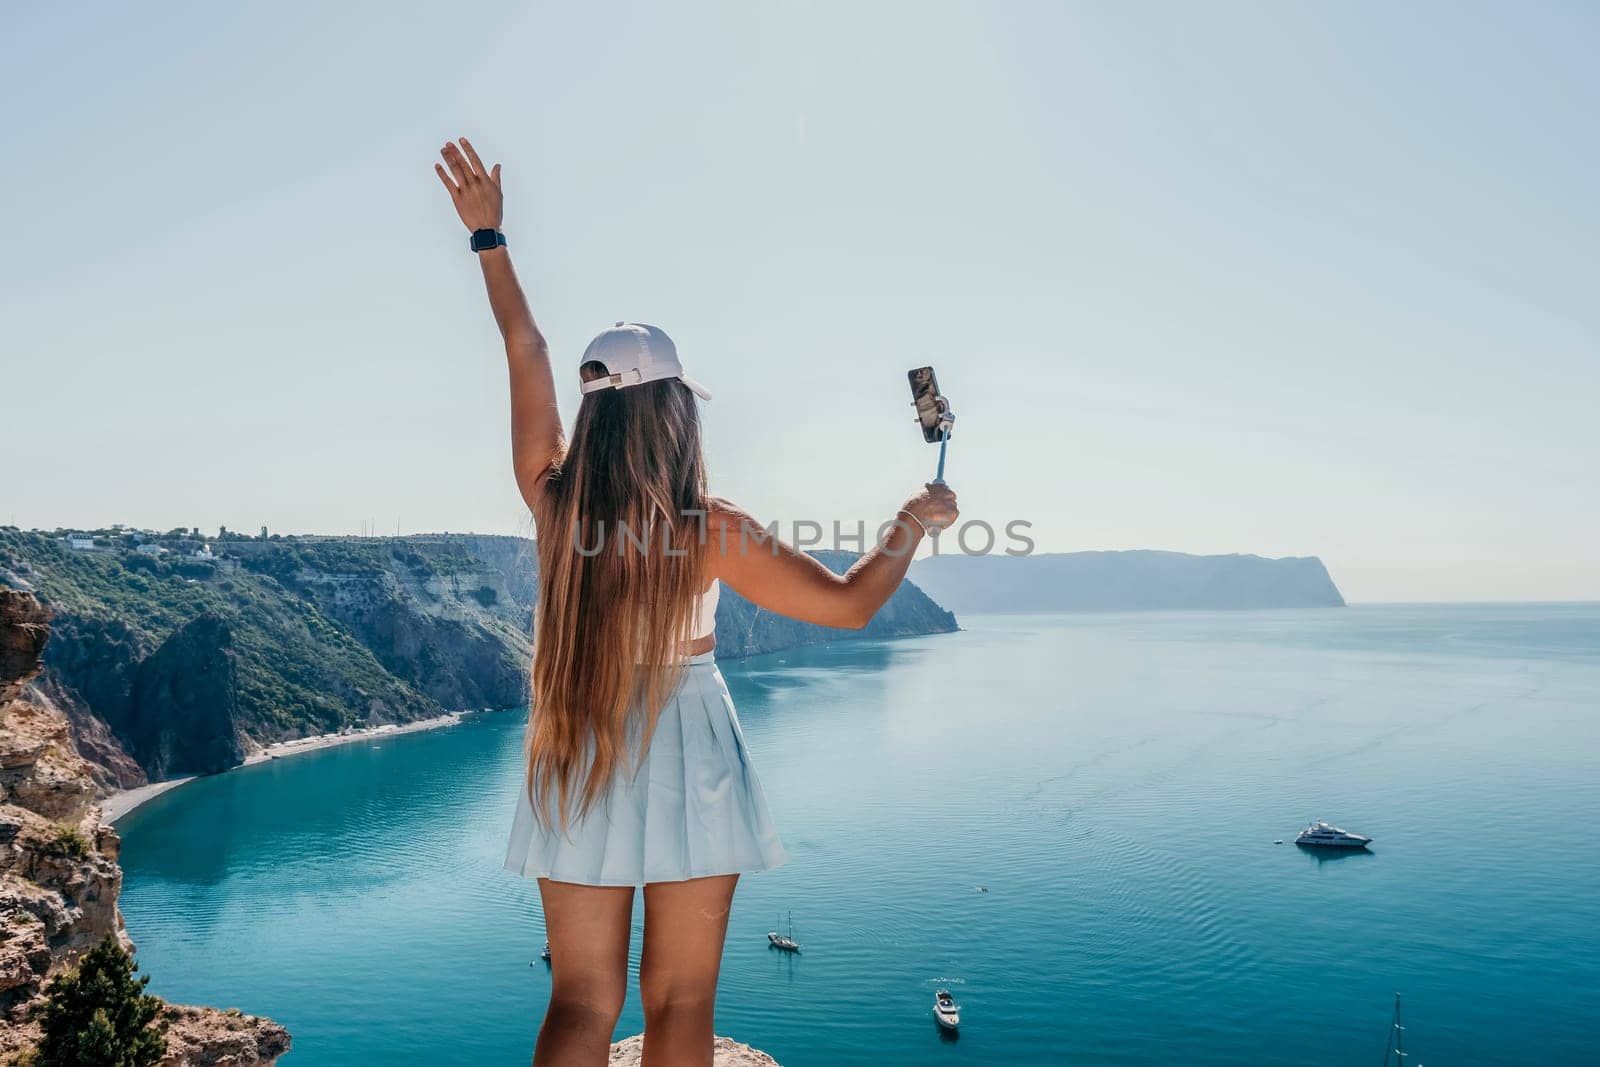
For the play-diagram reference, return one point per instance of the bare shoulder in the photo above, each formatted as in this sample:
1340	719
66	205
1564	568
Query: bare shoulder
724	514
731	526
732	534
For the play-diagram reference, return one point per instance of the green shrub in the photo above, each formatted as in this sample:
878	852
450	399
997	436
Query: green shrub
69	842
99	1015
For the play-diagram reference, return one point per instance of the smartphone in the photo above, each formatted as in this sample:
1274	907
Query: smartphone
930	405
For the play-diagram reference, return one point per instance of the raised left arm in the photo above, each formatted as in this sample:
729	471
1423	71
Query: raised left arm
536	438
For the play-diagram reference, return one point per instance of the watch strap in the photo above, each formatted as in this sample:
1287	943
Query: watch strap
483	240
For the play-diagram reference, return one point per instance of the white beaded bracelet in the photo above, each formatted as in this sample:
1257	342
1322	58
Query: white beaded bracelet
920	524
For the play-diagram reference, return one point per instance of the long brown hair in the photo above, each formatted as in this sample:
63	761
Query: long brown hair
621	541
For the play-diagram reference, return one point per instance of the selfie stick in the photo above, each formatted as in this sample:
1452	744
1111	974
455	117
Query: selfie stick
946	419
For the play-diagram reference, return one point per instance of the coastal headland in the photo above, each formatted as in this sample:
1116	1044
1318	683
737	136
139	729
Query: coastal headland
176	655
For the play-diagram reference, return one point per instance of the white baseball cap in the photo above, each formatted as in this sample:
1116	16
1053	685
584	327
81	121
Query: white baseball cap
633	354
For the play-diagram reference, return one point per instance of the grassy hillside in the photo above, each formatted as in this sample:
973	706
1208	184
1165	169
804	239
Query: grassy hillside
295	669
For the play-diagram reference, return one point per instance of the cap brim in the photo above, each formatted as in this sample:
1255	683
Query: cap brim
695	387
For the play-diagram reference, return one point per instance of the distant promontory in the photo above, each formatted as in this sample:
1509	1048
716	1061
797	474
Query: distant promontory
1142	580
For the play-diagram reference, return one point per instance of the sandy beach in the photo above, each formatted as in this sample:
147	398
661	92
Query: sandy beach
119	804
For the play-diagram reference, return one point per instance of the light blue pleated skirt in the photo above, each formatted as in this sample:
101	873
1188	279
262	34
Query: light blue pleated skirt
694	808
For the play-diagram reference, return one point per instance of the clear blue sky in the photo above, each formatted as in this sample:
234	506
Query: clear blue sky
1286	279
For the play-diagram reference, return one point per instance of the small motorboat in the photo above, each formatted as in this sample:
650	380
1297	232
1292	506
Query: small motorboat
1320	835
784	941
545	954
945	1010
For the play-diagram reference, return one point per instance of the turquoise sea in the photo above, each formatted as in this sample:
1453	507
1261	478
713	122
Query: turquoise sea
1116	782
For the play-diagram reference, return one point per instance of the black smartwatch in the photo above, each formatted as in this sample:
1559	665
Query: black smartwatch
483	240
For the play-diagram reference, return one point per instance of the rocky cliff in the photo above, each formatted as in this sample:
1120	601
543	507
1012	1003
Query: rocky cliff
172	656
726	1052
744	630
1125	581
241	658
59	878
185	713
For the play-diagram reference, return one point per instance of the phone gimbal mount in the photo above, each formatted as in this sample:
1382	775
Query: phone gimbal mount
933	412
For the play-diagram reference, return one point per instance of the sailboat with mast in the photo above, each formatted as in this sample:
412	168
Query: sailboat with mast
784	941
1396	1045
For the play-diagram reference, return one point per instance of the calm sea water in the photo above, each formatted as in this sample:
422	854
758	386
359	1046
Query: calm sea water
1117	782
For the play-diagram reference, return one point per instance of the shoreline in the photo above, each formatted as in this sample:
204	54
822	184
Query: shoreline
124	802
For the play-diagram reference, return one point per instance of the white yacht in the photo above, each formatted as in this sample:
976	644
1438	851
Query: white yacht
1320	835
946	1010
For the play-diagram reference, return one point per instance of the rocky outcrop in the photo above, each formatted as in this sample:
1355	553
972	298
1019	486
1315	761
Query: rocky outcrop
113	768
206	1037
185	716
726	1052
40	770
59	878
90	669
24	631
58	872
157	709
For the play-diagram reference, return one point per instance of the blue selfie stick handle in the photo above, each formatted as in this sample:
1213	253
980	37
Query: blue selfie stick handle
947	419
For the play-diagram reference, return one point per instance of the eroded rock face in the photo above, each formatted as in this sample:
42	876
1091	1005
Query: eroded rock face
90	668
110	763
24	630
185	704
92	662
203	1037
58	887
59	878
726	1052
40	769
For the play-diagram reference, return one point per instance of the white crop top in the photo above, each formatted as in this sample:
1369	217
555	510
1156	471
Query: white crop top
705	618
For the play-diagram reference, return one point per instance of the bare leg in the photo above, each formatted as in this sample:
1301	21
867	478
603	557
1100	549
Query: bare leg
685	924
588	926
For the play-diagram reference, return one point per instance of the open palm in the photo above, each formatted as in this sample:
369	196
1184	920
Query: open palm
474	188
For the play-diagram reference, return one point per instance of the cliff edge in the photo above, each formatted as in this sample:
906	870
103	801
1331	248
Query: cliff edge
726	1052
59	878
